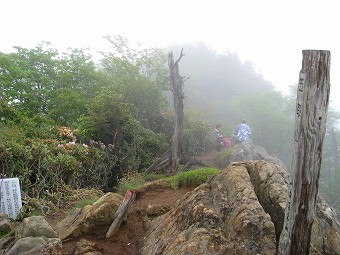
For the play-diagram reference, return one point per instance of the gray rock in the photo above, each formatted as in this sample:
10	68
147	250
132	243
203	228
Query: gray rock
6	242
33	236
156	210
85	247
246	151
95	218
5	225
36	246
222	216
35	226
239	211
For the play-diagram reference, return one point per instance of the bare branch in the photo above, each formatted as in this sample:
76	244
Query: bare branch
181	55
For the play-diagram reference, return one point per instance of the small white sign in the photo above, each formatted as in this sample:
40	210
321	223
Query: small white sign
10	197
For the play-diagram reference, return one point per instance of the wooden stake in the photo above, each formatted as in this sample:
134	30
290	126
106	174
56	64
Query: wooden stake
310	128
121	213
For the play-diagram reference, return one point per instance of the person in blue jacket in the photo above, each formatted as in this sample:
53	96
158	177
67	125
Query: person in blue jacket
242	131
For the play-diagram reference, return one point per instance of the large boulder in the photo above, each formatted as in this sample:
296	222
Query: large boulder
34	236
35	226
36	246
95	218
246	151
325	230
222	216
239	211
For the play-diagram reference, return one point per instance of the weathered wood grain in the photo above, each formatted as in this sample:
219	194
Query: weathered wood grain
310	127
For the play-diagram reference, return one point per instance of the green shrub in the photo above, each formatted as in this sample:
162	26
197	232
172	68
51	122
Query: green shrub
195	136
131	180
192	178
46	166
153	177
136	147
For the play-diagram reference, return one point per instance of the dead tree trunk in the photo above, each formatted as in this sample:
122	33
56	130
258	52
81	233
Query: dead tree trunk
310	127
176	83
175	156
172	157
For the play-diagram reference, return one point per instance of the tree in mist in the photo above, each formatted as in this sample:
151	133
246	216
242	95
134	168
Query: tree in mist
43	81
330	174
175	156
77	82
139	75
217	78
270	120
110	120
177	147
27	79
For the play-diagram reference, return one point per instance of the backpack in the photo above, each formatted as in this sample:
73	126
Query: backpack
227	142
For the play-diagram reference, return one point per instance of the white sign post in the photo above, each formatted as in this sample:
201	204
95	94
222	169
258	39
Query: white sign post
10	197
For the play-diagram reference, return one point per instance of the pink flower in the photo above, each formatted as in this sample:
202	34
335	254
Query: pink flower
93	142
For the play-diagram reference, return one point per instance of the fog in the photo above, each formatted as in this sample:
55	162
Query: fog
233	50
269	34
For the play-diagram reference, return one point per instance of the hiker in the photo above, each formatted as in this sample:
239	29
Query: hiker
222	141
242	132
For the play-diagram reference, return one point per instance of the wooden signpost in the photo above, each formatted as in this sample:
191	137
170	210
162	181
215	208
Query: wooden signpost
121	213
310	128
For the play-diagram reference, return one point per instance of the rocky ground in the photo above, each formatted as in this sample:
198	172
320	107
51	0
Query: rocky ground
132	232
238	211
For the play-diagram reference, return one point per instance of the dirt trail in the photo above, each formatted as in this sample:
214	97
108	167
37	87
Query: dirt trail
129	238
209	158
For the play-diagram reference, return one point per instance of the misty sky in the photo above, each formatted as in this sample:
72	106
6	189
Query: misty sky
269	33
